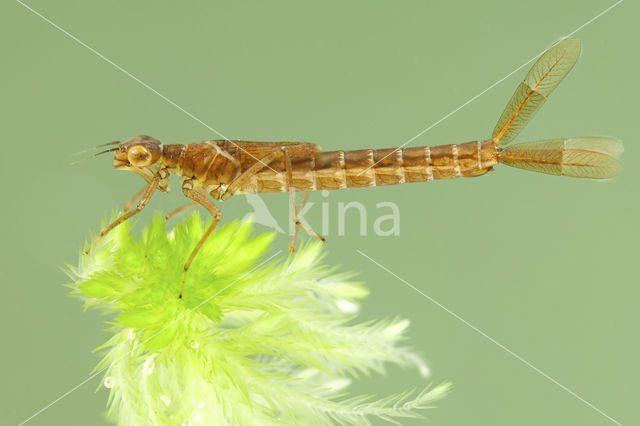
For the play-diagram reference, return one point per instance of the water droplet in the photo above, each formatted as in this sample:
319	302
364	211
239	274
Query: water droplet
197	416
197	403
132	334
194	344
148	365
165	399
109	382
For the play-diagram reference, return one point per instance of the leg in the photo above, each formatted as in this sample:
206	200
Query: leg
180	210
200	198
255	168
146	196
292	202
294	217
186	206
298	223
133	200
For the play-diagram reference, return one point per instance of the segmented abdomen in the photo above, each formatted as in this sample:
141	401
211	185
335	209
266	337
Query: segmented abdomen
374	167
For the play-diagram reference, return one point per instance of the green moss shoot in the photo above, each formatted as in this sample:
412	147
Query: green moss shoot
257	338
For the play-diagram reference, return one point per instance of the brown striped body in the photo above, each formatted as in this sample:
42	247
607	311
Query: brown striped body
369	167
214	165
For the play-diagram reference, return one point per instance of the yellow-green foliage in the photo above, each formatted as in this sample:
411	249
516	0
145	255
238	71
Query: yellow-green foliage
254	340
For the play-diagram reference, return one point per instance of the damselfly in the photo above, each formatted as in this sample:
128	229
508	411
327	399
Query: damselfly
223	168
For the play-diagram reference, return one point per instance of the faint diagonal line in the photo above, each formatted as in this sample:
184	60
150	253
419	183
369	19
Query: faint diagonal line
488	88
133	77
494	341
594	18
189	311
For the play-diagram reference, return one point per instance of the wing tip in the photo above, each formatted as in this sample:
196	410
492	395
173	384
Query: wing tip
568	43
607	145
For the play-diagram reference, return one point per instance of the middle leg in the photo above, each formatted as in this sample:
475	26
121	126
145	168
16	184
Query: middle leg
200	198
186	207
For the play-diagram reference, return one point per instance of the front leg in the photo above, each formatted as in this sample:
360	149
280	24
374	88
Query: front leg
135	198
147	192
200	198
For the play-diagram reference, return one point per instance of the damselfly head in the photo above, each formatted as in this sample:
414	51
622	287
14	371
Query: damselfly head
141	151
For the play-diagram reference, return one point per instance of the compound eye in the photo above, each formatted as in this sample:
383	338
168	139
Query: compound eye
139	156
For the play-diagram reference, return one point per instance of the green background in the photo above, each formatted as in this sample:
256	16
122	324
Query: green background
544	265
